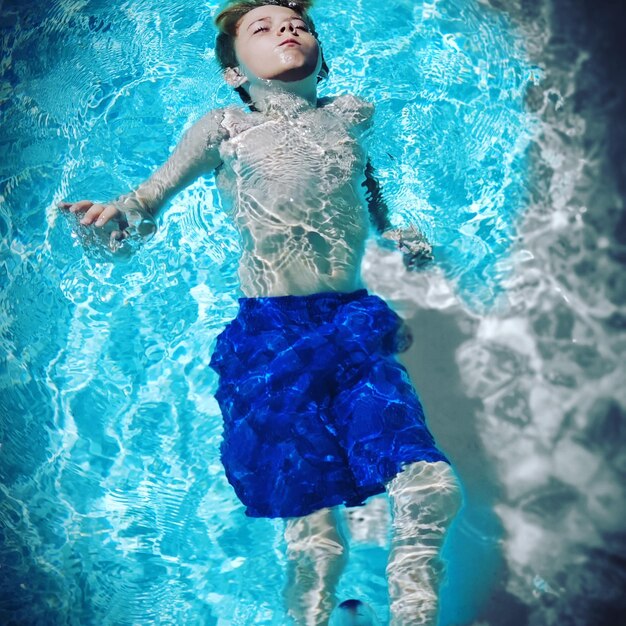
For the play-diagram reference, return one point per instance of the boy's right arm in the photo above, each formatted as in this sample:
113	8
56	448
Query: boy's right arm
416	250
197	153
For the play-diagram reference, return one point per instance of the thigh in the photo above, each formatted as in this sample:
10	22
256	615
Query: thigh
381	422
278	450
423	489
377	395
316	534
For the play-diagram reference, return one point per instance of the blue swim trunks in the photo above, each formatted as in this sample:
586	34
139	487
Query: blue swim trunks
317	410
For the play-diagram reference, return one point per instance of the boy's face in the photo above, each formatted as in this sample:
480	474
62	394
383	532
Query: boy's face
274	42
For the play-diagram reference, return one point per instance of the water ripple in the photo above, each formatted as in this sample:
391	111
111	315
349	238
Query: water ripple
115	508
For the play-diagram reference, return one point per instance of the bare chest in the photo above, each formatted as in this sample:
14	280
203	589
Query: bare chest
293	151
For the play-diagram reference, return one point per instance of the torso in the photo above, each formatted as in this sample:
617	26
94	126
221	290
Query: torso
293	184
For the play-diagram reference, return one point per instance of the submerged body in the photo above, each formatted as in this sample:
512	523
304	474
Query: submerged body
317	410
292	177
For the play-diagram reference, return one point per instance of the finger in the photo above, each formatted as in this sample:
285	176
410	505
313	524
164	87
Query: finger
82	205
108	213
92	214
67	205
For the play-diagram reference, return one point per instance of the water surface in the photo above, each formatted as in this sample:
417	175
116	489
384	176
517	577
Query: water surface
491	134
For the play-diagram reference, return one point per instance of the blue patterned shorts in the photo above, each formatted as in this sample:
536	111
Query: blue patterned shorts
317	410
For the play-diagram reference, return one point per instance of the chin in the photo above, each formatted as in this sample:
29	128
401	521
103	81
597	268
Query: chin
292	74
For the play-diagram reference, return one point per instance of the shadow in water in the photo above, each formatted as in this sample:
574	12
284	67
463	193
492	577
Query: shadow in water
476	579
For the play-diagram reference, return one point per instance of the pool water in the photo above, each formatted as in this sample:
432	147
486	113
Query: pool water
114	508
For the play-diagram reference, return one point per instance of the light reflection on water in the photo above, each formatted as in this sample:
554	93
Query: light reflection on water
115	508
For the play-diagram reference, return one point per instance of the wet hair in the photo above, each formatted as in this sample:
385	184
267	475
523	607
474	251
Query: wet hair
228	18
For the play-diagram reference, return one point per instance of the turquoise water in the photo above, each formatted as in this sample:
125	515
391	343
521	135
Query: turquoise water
115	508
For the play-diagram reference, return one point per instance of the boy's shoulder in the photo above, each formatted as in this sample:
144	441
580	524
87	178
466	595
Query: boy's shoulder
225	122
352	109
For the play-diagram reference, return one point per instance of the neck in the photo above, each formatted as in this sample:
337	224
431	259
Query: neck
283	96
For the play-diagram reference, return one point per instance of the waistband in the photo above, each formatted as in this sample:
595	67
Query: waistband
290	303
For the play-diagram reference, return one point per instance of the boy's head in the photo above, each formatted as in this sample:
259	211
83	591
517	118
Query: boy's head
254	41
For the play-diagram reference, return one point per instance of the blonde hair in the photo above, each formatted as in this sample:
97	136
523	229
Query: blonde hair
228	18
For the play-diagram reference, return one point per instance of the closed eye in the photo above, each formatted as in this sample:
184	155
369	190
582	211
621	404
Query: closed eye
300	25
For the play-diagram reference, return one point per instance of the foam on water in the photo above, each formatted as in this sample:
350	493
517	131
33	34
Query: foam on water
115	508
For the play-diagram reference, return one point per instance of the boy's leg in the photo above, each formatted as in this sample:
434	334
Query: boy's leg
317	554
425	497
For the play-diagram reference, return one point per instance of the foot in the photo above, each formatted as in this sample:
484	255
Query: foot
353	613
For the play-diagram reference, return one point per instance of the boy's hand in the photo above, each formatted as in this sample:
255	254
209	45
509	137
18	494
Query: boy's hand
416	250
94	212
129	222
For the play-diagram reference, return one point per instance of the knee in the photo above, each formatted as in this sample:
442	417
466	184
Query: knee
319	546
314	535
426	490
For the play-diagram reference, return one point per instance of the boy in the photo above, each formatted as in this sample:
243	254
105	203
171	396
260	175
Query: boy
317	411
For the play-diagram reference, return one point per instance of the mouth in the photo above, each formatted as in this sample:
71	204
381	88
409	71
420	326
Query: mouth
288	42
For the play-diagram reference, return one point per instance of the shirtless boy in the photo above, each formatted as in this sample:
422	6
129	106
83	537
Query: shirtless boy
318	413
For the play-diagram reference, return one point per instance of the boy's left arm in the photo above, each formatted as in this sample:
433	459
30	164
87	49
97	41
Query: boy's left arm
416	250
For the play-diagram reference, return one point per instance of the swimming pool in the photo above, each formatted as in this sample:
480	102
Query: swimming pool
115	509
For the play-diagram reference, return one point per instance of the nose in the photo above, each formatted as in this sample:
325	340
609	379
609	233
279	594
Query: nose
287	25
